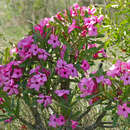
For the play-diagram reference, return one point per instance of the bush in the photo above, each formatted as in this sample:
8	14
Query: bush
50	72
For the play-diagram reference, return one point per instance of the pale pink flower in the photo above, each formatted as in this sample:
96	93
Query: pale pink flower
123	110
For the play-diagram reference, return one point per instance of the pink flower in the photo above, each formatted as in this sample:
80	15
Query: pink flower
73	71
92	31
92	45
87	86
62	92
12	89
8	120
39	28
53	121
84	33
34	49
35	70
72	26
44	99
61	63
42	54
63	50
26	42
64	72
61	120
100	18
1	100
14	50
74	124
85	66
91	11
17	73
123	110
54	41
87	22
36	81
103	80
126	78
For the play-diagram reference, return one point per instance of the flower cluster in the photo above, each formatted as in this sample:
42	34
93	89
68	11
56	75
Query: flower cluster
87	86
10	75
122	70
54	121
65	70
37	80
44	99
26	49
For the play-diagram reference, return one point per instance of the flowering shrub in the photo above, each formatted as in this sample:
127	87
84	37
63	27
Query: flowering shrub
51	72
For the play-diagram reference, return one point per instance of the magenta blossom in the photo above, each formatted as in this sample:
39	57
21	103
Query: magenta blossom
61	120
91	11
103	80
46	100
92	31
62	92
17	73
72	26
123	110
36	81
74	124
54	41
12	89
63	50
1	100
35	70
42	54
8	120
85	65
53	121
87	86
34	49
126	78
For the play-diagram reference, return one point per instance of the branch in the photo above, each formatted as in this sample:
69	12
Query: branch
99	119
84	113
26	123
